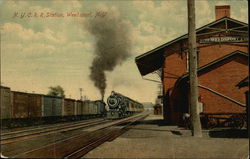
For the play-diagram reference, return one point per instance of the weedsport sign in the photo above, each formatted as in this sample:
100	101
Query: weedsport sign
224	39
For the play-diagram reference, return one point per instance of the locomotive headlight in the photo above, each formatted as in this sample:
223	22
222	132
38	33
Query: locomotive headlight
112	102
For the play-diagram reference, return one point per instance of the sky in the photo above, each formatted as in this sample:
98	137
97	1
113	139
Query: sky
39	52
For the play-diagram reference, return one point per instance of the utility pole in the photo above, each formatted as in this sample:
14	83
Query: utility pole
193	81
81	93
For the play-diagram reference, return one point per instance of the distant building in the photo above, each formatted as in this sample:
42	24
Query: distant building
222	49
148	106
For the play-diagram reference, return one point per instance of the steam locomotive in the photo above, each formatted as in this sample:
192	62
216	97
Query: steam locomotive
121	106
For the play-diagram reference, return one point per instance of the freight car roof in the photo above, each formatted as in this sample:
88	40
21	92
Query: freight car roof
153	59
52	96
35	94
69	99
4	87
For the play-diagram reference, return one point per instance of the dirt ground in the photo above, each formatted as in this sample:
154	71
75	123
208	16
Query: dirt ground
152	139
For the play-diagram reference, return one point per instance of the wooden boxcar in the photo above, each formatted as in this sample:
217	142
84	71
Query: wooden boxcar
79	107
5	98
68	107
52	106
85	109
90	107
100	107
19	103
35	105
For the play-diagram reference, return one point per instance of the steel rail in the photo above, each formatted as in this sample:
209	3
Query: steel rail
8	140
84	150
59	149
46	127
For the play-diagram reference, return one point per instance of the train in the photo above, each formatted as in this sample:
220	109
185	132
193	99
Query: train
29	108
121	106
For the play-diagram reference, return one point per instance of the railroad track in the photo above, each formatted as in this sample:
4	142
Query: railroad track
78	145
27	129
15	136
98	141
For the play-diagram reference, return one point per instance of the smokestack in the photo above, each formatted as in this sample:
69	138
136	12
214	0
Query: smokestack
102	98
222	11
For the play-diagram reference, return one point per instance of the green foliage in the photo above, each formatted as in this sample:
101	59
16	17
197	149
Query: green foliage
56	91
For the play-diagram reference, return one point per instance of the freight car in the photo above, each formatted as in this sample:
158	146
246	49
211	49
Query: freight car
94	107
68	107
23	109
52	106
5	99
100	107
121	106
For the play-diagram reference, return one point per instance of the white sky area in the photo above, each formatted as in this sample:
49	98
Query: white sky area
37	53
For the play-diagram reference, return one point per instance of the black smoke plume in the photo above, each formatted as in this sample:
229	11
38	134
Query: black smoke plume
112	47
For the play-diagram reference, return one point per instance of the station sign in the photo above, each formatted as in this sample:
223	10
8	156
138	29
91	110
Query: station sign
224	39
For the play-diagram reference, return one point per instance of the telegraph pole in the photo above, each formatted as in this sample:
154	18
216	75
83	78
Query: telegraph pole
81	93
192	57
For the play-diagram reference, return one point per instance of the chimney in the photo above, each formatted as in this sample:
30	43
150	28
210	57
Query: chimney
222	11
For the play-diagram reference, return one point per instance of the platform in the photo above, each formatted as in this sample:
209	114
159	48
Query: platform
152	139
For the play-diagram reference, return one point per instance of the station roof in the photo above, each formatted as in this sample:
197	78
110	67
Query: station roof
212	64
153	59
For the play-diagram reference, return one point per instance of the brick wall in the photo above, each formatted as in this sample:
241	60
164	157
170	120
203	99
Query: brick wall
175	65
222	11
214	52
223	80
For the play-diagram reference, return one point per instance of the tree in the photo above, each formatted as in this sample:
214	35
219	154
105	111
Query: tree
56	91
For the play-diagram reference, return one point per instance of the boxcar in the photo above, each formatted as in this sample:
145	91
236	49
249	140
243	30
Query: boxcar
79	107
100	106
35	105
90	107
5	99
19	102
85	109
52	106
68	107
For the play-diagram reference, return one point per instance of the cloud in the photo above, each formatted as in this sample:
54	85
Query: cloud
203	13
243	12
52	51
14	31
149	11
146	27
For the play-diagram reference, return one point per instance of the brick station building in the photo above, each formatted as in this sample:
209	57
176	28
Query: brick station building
222	49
